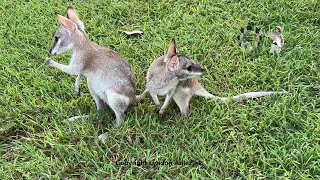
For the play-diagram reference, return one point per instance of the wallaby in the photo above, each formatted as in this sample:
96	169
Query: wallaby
110	78
176	76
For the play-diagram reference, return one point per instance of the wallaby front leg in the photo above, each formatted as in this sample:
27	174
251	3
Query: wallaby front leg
77	84
156	101
71	69
166	102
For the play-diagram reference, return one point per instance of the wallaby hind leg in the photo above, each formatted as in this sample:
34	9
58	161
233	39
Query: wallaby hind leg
119	103
182	100
99	102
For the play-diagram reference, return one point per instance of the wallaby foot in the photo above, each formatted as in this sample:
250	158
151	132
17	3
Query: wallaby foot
184	110
119	118
185	113
77	92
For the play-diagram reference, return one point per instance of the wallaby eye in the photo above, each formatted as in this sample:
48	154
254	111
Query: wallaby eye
189	68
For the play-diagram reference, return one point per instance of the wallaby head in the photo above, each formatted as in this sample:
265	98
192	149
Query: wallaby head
179	64
64	37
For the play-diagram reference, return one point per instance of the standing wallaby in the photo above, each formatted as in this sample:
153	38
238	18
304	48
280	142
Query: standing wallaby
176	76
110	78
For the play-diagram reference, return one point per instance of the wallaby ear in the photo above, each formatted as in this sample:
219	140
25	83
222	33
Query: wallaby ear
66	23
173	63
171	51
73	16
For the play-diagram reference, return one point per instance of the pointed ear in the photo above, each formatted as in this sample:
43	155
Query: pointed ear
66	23
73	16
173	63
171	51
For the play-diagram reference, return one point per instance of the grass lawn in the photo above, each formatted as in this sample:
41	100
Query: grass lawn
274	137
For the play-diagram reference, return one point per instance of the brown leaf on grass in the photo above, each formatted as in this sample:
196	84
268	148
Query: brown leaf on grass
130	139
153	151
114	158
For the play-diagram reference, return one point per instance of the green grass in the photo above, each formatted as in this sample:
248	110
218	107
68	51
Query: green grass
276	137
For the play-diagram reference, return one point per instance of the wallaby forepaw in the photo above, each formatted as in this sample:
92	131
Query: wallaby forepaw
158	109
48	62
160	113
160	116
77	92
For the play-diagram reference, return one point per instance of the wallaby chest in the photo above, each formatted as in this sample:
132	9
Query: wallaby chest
171	85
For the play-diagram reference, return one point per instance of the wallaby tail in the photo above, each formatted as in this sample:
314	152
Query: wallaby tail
250	95
203	93
140	97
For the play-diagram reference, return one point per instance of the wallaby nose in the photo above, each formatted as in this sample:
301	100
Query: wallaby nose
202	70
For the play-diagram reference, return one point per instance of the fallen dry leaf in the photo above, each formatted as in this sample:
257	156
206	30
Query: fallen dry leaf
130	139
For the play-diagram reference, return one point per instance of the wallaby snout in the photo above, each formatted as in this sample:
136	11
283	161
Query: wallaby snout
197	68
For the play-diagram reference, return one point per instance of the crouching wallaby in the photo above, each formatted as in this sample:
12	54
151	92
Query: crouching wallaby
110	78
176	76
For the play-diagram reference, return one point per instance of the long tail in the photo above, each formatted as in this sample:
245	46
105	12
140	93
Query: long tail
250	95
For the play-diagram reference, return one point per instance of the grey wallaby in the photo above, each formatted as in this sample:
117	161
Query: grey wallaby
175	76
110	78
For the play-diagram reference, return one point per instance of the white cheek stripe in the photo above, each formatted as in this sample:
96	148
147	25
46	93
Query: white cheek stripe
59	50
54	50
